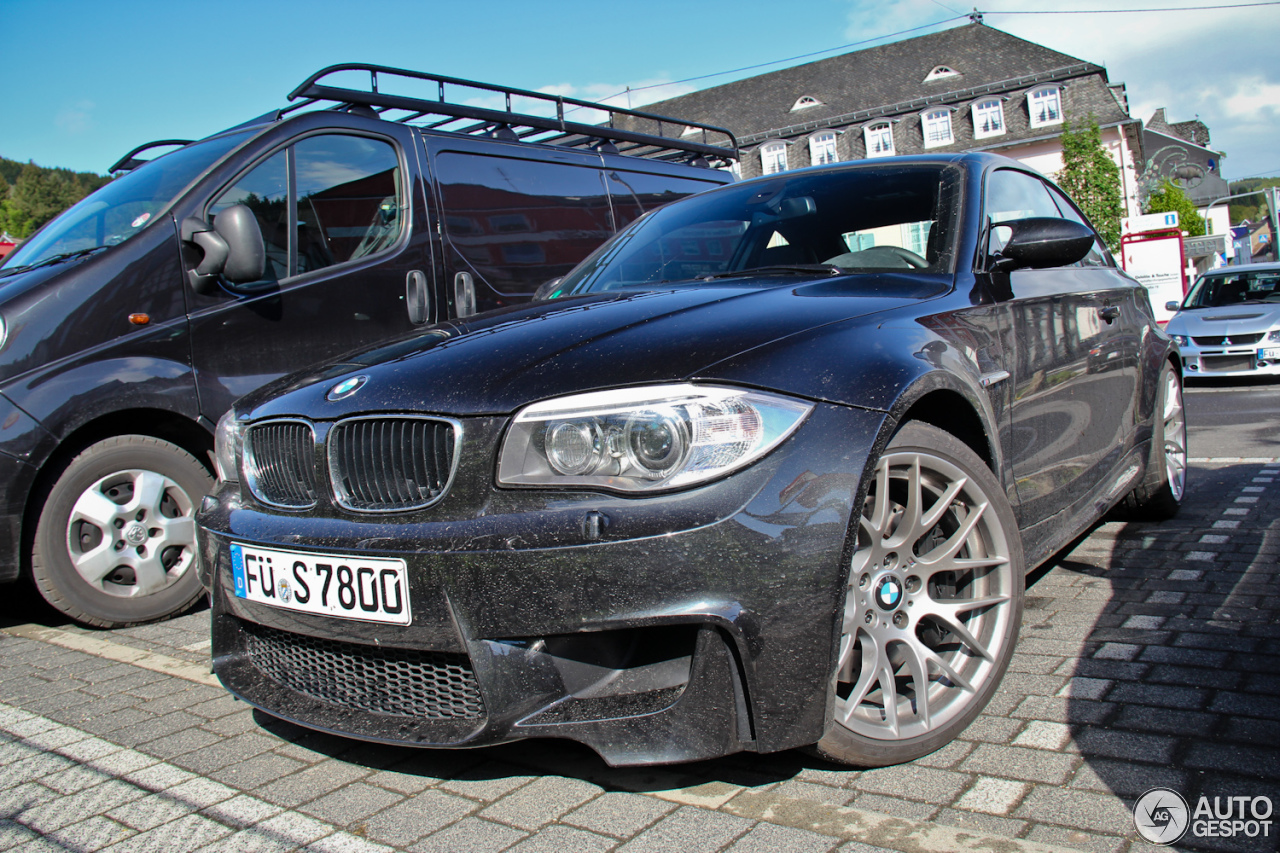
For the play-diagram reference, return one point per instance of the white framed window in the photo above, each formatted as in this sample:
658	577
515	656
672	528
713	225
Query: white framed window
773	157
879	138
941	73
988	118
1045	106
937	128
822	148
806	102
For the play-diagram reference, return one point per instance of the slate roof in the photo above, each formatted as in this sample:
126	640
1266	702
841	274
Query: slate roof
889	81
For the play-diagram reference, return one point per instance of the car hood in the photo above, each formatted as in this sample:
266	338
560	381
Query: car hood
1230	320
497	362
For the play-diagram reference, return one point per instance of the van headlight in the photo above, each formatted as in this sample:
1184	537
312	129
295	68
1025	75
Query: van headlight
228	444
645	439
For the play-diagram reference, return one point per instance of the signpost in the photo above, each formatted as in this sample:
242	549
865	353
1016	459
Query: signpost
1151	251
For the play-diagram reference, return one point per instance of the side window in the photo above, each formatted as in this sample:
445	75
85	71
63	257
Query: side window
1014	195
265	191
349	202
636	193
349	207
1097	256
518	223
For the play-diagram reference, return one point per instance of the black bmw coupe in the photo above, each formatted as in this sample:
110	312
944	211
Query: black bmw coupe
767	470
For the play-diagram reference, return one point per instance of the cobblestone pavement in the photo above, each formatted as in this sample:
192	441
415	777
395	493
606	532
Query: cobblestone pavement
1149	656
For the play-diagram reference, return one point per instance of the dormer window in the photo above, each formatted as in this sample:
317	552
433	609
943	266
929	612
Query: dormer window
1045	106
879	138
805	102
937	128
988	118
822	148
773	158
942	72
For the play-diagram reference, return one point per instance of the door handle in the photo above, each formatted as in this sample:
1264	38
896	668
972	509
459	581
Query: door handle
1109	313
415	297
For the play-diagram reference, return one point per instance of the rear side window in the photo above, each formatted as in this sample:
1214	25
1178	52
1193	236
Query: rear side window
636	193
517	223
325	200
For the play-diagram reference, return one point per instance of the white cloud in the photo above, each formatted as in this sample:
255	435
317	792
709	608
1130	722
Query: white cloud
75	119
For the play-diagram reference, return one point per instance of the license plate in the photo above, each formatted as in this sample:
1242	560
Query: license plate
349	586
1269	354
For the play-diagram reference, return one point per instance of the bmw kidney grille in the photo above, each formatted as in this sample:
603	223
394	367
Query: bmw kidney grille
375	464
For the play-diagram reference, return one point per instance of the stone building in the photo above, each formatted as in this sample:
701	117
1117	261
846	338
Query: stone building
970	88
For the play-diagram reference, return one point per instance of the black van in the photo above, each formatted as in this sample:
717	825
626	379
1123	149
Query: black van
130	323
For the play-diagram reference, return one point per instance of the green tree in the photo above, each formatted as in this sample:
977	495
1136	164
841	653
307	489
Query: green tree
4	204
1169	198
1092	178
37	196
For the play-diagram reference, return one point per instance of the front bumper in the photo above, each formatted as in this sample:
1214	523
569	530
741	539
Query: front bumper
1232	361
704	622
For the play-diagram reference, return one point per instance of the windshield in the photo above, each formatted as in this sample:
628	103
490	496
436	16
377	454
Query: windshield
858	220
1232	287
123	207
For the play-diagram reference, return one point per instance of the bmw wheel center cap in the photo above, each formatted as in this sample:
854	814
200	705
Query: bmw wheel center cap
888	592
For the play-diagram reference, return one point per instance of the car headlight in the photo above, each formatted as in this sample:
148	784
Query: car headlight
1181	340
228	444
1273	335
645	439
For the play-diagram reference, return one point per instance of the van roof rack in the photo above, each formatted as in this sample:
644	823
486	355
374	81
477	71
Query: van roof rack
130	161
624	131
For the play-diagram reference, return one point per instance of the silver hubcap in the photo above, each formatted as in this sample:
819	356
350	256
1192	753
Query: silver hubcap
1175	436
132	533
930	597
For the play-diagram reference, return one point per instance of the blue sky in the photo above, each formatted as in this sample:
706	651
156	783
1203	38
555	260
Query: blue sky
86	81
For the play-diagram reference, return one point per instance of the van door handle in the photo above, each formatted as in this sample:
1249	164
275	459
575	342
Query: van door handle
1109	313
415	297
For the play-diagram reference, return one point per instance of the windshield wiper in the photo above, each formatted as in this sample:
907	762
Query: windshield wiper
789	269
53	259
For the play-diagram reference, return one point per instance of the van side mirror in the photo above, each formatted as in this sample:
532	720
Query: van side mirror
547	288
232	248
1040	242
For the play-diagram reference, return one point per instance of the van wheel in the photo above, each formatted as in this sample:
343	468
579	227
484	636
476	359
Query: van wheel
933	603
115	544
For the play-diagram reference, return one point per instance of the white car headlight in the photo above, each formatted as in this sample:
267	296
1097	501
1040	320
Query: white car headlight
1181	340
228	444
1273	335
645	439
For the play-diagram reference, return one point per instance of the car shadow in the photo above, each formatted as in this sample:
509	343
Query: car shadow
1177	681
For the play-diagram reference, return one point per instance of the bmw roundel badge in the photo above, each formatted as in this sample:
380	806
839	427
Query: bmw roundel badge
346	387
888	593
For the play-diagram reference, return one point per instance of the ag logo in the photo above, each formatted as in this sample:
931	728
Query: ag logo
346	387
1161	816
888	593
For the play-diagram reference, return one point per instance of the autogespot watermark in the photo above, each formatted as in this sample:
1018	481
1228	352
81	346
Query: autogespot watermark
1162	816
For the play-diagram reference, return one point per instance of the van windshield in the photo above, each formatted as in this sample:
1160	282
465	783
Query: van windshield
123	207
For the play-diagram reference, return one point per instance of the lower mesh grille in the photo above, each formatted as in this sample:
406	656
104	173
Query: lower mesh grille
1228	362
401	682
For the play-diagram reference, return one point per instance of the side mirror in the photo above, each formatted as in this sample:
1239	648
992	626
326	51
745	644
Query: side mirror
1040	242
247	253
1172	306
231	248
544	291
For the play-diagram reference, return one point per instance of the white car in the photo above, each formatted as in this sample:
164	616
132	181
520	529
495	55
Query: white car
1229	324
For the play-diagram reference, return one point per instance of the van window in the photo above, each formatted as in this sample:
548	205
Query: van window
517	223
635	193
349	202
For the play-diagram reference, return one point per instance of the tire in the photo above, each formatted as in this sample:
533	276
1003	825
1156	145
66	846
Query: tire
115	543
1159	497
934	596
